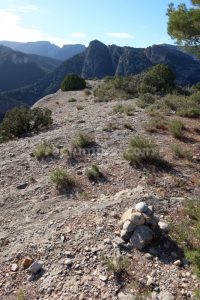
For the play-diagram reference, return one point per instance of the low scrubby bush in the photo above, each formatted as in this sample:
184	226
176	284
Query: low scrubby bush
83	140
155	124
94	174
129	110
22	120
62	179
141	151
146	100
73	82
180	152
43	150
185	230
176	128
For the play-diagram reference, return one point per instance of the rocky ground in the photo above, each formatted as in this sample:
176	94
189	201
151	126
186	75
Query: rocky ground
73	235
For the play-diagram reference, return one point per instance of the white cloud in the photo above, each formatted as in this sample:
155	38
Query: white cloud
120	35
78	35
29	8
11	29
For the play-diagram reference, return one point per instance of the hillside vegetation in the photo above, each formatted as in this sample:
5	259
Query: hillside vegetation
99	61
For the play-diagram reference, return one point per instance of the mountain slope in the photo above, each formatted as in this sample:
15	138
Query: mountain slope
45	48
17	69
99	61
46	63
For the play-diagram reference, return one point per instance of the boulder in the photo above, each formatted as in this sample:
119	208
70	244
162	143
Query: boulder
35	267
129	226
142	236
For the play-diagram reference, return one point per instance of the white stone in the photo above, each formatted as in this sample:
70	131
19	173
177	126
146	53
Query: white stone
141	207
163	226
14	268
103	278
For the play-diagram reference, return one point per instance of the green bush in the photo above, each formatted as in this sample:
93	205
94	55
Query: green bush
61	179
22	120
43	150
146	100
141	151
180	152
73	82
117	264
159	79
185	106
185	230
83	140
176	128
94	173
155	124
129	110
190	112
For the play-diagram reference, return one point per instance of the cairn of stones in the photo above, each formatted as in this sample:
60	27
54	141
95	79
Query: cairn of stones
140	226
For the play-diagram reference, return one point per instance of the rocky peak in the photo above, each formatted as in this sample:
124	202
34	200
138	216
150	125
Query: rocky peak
98	61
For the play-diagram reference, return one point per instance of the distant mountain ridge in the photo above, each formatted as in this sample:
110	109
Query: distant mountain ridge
100	60
18	69
45	48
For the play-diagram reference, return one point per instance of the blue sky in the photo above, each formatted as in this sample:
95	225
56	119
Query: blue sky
137	23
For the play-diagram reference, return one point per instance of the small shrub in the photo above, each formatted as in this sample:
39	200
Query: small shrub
129	110
117	265
181	153
83	140
186	232
146	100
191	112
22	120
73	82
141	151
94	173
61	179
176	128
118	109
155	124
72	100
65	151
43	150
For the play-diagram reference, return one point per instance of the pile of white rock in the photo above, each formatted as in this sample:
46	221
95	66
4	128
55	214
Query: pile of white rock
140	226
